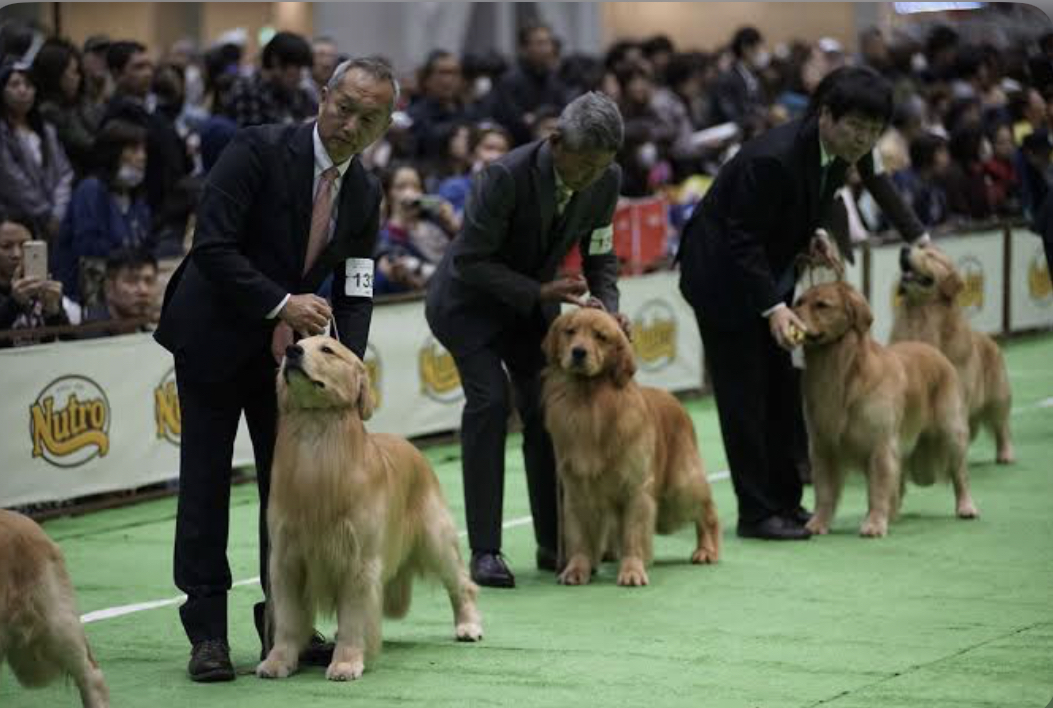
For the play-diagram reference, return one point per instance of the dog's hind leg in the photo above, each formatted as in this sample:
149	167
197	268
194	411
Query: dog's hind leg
959	469
292	613
442	556
398	593
998	421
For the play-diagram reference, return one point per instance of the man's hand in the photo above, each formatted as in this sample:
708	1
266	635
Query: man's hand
307	314
785	326
568	289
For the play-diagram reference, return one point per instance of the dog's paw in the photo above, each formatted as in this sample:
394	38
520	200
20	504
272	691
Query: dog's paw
469	632
817	527
273	669
632	576
575	575
705	555
345	670
967	510
874	528
1006	456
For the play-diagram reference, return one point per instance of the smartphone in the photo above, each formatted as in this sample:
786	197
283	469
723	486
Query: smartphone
35	259
428	202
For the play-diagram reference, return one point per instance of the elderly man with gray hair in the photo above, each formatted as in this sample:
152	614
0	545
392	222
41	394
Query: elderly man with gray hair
496	291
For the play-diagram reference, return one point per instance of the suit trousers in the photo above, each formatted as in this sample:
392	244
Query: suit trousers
210	412
484	426
758	397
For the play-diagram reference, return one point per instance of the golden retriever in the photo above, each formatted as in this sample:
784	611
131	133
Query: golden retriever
626	454
353	517
894	412
41	636
928	311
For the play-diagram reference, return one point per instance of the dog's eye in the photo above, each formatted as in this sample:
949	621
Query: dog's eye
569	331
820	305
327	350
601	337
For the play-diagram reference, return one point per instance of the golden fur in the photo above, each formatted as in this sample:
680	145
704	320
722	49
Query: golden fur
928	311
41	636
353	517
626	455
893	412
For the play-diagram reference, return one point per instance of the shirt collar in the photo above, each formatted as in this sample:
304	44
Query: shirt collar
825	158
322	161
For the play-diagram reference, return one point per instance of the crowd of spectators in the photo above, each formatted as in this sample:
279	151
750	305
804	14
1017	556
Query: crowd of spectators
104	146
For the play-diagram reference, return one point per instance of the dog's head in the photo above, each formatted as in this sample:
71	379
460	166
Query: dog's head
927	274
588	343
830	311
320	373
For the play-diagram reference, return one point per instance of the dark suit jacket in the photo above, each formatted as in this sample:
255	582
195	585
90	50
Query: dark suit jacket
760	213
249	249
511	243
735	99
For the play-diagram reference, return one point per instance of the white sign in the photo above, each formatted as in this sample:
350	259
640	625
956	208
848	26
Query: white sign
358	281
1030	291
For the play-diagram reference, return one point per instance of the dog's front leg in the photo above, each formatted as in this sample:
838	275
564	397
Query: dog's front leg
579	536
637	529
292	618
358	624
828	479
883	473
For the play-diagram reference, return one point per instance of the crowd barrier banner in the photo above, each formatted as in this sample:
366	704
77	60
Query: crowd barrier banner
103	415
980	258
1030	290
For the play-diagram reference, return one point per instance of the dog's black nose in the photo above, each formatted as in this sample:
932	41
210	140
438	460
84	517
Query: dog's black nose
578	353
294	351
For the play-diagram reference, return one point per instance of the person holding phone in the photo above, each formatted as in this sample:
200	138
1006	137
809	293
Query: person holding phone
284	207
496	291
28	297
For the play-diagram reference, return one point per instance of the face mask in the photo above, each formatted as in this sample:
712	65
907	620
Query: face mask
762	59
128	176
986	152
647	155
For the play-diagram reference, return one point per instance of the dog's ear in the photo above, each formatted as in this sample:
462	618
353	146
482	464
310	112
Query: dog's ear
364	401
858	309
951	284
550	345
623	365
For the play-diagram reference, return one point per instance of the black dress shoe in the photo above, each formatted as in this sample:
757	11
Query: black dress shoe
318	652
547	560
774	528
489	569
210	662
800	515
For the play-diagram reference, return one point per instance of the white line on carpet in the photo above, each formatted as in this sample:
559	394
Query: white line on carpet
121	610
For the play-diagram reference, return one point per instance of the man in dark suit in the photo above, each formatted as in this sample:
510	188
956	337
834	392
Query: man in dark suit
284	207
738	94
495	292
737	260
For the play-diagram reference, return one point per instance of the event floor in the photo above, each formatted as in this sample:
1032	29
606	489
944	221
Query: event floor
941	613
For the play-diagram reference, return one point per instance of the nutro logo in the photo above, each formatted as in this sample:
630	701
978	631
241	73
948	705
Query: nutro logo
69	423
1039	287
654	335
166	409
439	379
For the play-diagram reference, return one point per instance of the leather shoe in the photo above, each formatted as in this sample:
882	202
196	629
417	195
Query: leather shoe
774	528
210	662
547	560
800	515
318	651
489	569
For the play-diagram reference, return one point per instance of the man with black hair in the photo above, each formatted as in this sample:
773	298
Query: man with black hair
738	95
531	83
167	163
130	288
737	259
438	110
275	93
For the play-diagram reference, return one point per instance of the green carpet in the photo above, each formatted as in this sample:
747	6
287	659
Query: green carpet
941	613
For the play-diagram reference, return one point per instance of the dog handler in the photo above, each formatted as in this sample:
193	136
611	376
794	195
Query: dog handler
737	259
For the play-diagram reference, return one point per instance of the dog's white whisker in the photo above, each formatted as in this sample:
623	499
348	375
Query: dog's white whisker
122	610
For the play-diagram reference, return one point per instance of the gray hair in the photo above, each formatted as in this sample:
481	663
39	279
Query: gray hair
376	67
591	122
